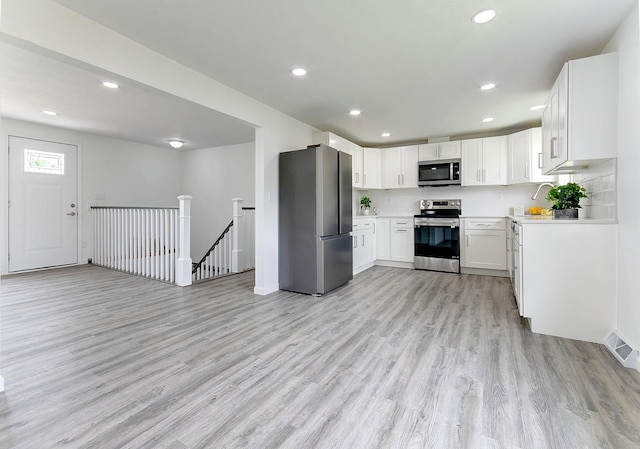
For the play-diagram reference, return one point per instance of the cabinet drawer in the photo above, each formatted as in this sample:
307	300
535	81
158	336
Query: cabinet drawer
485	223
402	222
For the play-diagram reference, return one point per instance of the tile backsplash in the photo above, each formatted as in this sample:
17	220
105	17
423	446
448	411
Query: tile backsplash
600	182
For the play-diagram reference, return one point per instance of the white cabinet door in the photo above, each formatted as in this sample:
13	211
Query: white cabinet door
484	161
392	168
494	160
471	162
518	157
429	152
402	244
450	150
410	166
440	150
383	238
372	177
485	249
357	164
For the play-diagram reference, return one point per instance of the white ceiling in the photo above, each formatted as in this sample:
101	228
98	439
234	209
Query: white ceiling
413	67
31	82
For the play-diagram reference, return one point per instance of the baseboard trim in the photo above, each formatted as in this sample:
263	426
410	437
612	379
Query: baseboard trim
262	291
394	264
485	272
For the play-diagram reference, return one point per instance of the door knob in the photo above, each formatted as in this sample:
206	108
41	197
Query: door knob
73	214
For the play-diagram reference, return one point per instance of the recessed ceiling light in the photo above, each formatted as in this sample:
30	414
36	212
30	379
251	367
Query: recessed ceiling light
487	120
484	16
488	86
176	143
110	85
537	107
354	112
48	112
385	134
299	71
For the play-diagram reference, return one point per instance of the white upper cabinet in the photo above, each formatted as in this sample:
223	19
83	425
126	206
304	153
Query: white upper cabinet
410	166
400	167
357	161
525	157
372	177
342	144
580	121
484	161
440	150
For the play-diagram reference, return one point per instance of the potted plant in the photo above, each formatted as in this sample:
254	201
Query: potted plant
365	205
566	200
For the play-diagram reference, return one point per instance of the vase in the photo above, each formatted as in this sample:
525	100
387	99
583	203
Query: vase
365	211
565	214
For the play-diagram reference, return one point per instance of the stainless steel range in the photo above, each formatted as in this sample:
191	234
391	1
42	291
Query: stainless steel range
437	236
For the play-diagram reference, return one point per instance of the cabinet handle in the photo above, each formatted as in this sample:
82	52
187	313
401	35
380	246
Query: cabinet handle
554	147
399	180
539	160
401	230
364	178
526	171
374	228
403	179
478	175
362	239
354	241
484	173
466	240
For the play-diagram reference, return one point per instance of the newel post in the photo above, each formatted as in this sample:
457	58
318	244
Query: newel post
184	266
236	251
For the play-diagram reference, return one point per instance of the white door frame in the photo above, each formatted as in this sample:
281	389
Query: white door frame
4	187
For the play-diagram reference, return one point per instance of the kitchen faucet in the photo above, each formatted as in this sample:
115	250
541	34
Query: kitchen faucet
535	195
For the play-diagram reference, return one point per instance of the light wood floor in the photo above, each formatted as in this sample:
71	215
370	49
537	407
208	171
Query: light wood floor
94	358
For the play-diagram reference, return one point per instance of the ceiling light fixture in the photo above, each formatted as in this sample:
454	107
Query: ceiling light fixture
487	120
299	71
385	134
110	85
537	107
484	16
48	112
354	112
176	143
488	86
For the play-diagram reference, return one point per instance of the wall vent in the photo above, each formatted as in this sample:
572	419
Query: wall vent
621	350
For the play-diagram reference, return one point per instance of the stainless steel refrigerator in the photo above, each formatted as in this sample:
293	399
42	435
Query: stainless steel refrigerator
315	220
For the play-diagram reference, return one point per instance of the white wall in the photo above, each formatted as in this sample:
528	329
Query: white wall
118	169
627	42
214	176
48	27
480	201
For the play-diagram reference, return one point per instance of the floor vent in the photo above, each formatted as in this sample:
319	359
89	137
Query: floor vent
621	350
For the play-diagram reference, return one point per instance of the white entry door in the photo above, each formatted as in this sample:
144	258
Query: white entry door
43	206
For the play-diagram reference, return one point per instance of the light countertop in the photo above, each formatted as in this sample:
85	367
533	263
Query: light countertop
541	219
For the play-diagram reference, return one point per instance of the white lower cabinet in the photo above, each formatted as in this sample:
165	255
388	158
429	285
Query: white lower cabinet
402	239
383	238
567	282
364	243
395	239
485	243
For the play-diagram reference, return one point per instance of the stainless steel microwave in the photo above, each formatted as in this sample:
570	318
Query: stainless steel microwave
444	172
